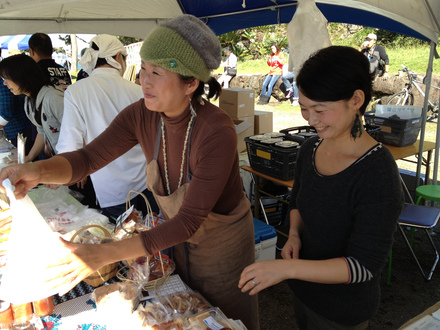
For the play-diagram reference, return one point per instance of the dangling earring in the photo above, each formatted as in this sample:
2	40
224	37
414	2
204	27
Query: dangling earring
357	128
193	112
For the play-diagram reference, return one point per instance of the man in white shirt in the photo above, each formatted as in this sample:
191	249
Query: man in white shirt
230	65
90	105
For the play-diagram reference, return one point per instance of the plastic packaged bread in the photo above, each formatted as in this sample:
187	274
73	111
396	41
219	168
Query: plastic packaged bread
212	319
155	316
185	303
117	297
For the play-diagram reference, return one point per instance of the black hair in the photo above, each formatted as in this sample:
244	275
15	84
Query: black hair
24	72
41	44
335	73
215	89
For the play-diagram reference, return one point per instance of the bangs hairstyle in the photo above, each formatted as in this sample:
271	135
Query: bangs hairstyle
25	73
334	73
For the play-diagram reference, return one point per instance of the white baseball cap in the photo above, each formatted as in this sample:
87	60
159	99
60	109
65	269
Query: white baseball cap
371	36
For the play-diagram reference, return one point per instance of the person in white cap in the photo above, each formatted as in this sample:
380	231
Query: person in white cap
376	54
90	105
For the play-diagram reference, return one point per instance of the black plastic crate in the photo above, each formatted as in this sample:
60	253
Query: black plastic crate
277	162
394	131
299	134
276	211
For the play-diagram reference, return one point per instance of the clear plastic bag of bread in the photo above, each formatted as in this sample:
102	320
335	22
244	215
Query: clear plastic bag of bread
139	271
160	265
117	298
154	315
185	303
132	221
210	319
146	269
126	224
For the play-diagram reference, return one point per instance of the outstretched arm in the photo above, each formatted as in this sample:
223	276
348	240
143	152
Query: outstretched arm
26	176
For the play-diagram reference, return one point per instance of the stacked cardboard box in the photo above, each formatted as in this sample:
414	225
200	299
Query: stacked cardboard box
263	122
239	104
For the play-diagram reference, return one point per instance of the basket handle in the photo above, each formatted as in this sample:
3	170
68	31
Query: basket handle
147	203
105	231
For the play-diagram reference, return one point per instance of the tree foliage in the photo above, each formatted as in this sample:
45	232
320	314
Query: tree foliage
254	43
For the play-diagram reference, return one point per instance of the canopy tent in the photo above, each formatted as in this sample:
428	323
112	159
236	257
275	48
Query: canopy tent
417	18
19	42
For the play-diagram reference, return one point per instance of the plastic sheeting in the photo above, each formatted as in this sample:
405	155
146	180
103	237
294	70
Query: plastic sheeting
31	246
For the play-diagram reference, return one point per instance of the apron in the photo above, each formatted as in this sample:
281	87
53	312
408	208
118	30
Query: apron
212	260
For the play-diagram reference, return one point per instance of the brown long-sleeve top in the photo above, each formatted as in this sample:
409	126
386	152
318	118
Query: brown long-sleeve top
213	161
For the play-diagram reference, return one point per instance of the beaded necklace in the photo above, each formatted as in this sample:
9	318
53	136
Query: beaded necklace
183	152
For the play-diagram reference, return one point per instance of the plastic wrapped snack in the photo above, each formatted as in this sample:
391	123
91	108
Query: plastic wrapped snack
212	319
139	270
156	316
185	303
159	267
117	298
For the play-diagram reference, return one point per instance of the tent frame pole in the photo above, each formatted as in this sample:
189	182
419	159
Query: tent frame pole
424	115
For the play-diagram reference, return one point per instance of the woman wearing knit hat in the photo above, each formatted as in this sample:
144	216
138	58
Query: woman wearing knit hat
193	172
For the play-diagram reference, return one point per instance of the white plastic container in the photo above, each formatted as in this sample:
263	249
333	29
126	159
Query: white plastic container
265	241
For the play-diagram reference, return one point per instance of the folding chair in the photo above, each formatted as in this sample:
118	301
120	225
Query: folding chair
425	218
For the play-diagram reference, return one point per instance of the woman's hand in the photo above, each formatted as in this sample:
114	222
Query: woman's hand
262	275
24	177
83	260
292	247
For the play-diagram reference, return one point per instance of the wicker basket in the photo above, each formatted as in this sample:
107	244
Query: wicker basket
104	273
150	285
129	262
121	274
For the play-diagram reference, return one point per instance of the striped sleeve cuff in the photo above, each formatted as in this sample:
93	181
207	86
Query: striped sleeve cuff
357	272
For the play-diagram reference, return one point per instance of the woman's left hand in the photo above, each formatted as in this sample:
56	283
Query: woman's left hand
262	274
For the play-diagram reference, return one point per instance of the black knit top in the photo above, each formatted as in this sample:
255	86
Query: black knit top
350	214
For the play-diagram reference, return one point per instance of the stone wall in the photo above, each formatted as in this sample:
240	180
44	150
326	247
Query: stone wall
384	88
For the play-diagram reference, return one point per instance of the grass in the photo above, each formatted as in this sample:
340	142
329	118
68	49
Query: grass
416	58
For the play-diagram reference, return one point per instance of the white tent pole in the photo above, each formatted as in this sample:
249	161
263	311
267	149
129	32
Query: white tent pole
424	112
436	154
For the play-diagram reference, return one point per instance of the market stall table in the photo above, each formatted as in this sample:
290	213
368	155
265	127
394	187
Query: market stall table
77	309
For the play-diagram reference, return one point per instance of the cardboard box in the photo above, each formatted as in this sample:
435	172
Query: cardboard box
237	102
263	122
244	128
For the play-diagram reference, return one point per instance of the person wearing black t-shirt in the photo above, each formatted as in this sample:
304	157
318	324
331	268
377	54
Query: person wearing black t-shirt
40	49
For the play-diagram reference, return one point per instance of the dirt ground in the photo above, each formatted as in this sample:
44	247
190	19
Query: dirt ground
408	294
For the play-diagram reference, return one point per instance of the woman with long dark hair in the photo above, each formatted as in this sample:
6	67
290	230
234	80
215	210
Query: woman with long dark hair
44	104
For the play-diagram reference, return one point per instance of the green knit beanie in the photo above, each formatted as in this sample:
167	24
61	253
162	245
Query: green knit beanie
183	45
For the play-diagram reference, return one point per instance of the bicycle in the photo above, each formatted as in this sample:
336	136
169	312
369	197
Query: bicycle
406	97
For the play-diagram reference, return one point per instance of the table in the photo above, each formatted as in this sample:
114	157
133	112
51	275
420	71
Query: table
399	153
77	308
428	311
